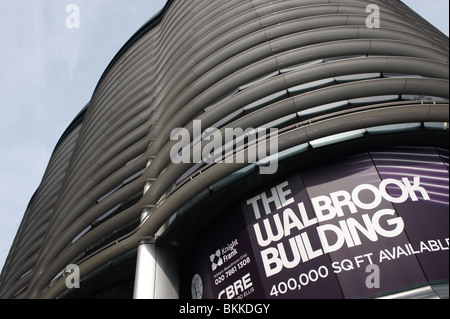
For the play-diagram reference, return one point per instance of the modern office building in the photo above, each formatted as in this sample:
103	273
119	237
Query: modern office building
251	149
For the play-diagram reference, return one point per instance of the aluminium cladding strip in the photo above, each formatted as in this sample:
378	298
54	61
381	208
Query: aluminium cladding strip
195	60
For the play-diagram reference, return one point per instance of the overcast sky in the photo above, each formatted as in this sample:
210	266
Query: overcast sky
48	73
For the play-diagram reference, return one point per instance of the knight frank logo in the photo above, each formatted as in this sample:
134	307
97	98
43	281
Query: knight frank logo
216	260
223	255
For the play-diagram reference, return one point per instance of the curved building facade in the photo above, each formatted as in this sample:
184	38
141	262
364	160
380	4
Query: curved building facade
332	182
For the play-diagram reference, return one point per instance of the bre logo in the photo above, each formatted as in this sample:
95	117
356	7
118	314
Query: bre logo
238	288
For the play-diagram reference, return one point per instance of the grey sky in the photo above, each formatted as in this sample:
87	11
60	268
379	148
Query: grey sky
48	73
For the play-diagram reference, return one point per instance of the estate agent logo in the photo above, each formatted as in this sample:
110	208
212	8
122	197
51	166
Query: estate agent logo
216	260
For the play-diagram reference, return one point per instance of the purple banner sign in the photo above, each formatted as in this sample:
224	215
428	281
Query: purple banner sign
366	225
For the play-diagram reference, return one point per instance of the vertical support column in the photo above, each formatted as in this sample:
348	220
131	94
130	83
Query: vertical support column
145	277
145	280
156	273
156	267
